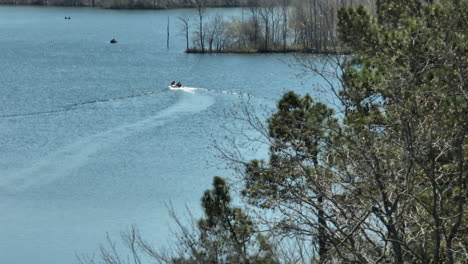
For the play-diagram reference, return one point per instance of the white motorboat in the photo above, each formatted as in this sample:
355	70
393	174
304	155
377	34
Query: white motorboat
175	87
180	87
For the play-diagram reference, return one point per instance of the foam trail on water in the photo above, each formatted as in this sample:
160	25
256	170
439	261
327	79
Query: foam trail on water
193	89
117	98
187	89
75	106
75	155
225	92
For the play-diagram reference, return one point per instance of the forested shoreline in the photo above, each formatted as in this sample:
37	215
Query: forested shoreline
268	26
131	4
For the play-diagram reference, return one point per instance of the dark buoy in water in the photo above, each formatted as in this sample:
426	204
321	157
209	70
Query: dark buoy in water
113	41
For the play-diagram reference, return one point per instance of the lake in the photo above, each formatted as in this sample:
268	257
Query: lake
93	141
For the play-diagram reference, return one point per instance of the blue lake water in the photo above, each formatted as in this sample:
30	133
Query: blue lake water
91	139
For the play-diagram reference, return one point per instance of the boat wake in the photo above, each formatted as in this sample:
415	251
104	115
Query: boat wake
67	159
76	106
193	89
185	89
145	93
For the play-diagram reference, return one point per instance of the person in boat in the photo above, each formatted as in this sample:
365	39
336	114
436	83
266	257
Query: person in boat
173	83
179	84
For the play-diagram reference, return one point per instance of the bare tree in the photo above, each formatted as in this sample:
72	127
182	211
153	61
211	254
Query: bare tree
254	21
266	14
201	11
284	6
185	28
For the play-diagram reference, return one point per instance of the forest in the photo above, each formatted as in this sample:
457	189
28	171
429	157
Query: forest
269	26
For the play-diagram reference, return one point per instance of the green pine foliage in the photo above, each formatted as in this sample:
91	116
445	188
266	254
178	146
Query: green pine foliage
225	234
387	181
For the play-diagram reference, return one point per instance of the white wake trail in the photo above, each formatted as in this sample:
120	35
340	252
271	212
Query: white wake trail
187	89
75	155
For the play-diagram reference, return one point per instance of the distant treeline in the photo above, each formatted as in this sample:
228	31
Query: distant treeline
164	4
131	4
269	26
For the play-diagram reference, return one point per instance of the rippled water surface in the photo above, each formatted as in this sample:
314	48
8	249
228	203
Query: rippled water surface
93	141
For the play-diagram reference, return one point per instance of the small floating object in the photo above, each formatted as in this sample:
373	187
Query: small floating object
113	41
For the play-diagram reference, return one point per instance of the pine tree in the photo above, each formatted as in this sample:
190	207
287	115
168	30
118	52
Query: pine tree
226	234
386	179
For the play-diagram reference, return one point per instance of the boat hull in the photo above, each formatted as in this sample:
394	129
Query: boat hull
176	87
